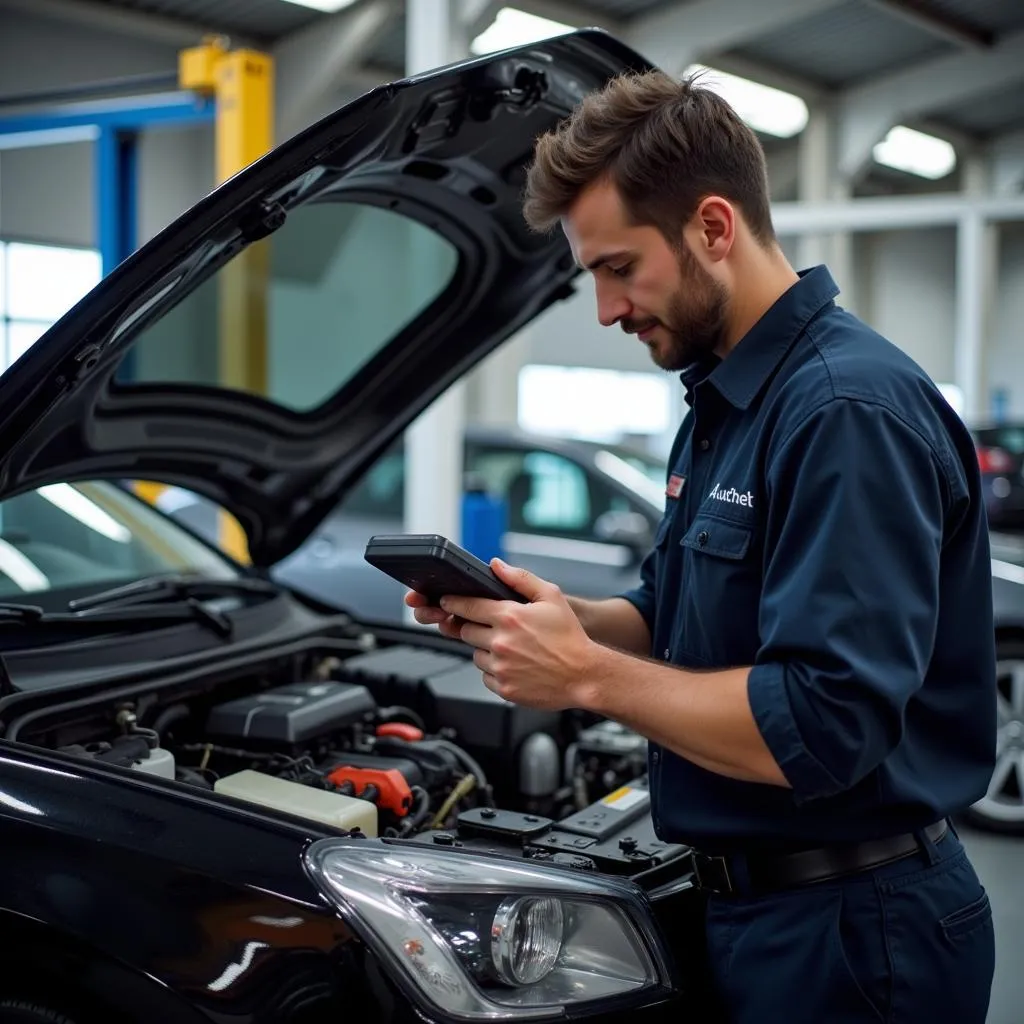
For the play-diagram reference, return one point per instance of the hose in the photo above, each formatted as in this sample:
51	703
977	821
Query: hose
398	711
419	813
175	713
462	788
470	764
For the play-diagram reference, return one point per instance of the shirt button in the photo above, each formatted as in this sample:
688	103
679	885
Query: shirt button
656	756
668	654
703	537
705	444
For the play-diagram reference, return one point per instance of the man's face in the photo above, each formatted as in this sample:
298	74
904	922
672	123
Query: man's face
661	295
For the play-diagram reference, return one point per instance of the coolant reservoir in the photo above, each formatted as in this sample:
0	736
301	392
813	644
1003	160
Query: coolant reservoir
332	809
160	762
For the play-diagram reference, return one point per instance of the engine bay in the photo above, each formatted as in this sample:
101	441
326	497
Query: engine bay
395	741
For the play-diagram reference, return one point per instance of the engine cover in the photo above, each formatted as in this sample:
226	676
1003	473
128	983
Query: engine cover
447	692
291	714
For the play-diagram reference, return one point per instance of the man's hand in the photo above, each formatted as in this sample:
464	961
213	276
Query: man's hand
539	655
532	654
427	614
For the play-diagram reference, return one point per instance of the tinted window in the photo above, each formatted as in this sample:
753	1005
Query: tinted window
546	493
88	536
557	499
343	280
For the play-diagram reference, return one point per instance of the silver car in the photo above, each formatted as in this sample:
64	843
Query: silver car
581	514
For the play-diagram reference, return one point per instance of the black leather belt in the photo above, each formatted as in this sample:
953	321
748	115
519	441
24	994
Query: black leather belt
771	873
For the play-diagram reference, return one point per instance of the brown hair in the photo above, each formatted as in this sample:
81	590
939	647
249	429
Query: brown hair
665	144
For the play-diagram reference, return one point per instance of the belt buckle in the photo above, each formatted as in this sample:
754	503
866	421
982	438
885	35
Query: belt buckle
712	873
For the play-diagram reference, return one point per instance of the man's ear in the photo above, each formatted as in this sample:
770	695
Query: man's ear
714	228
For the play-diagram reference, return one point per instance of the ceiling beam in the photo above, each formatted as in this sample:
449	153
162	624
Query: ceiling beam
891	213
477	15
867	112
681	35
744	67
567	13
153	27
314	62
941	24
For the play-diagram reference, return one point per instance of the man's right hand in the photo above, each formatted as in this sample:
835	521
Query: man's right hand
427	614
614	622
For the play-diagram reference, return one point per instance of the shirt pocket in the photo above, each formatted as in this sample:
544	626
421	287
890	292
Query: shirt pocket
709	535
722	585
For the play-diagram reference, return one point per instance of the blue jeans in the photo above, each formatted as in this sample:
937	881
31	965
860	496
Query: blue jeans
908	943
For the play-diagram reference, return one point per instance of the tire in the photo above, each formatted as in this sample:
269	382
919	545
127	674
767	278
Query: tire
1002	808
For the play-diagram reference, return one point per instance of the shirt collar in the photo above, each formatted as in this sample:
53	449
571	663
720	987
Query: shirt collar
743	373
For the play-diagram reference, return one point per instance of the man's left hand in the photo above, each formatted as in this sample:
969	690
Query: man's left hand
532	654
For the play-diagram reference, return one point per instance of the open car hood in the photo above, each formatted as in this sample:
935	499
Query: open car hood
447	149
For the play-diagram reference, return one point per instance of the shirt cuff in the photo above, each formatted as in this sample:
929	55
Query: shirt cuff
641	599
773	713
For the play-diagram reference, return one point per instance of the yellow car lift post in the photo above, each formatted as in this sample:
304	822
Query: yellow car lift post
242	83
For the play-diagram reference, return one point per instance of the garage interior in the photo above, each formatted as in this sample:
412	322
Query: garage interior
894	132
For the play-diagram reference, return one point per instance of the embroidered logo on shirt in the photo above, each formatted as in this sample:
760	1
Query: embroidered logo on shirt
675	485
732	496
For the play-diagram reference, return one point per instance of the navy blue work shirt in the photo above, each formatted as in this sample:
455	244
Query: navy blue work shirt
825	525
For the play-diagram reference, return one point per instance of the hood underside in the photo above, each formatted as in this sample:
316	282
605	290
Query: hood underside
445	152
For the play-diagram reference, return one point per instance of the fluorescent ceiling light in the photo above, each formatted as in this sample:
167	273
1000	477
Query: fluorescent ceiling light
765	109
327	6
20	570
916	153
512	27
86	511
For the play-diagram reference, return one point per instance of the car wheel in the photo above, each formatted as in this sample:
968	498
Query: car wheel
1001	809
22	1011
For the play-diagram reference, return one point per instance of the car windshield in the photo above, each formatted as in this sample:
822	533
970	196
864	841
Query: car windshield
67	540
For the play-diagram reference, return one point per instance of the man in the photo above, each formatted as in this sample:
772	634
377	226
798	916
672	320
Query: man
810	651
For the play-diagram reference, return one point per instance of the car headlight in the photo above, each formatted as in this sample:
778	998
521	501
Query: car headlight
471	936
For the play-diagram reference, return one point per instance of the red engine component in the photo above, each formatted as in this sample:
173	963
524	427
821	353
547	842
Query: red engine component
395	794
401	731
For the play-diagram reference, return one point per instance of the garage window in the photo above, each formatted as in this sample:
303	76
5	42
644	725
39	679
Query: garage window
38	285
593	404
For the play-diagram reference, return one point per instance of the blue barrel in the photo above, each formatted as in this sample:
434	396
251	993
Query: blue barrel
484	521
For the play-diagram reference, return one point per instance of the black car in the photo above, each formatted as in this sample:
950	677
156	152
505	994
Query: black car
1001	458
221	802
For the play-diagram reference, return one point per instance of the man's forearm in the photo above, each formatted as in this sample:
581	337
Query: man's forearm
614	622
704	717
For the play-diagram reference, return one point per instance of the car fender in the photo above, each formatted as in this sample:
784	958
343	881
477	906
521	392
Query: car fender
196	901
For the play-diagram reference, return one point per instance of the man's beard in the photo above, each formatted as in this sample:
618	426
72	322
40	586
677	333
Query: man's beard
695	322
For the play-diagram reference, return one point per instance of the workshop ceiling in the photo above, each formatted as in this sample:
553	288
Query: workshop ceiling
263	20
822	49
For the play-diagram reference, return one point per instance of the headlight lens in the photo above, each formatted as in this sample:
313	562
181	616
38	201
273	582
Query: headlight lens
474	937
526	938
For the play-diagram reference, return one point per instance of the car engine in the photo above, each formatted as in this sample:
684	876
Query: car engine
405	742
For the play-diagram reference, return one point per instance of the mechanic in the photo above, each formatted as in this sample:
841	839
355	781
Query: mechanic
810	651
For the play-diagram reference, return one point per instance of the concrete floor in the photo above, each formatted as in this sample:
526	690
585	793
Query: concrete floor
999	861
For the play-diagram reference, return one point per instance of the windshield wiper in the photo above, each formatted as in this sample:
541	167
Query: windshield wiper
172	588
30	617
20	613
